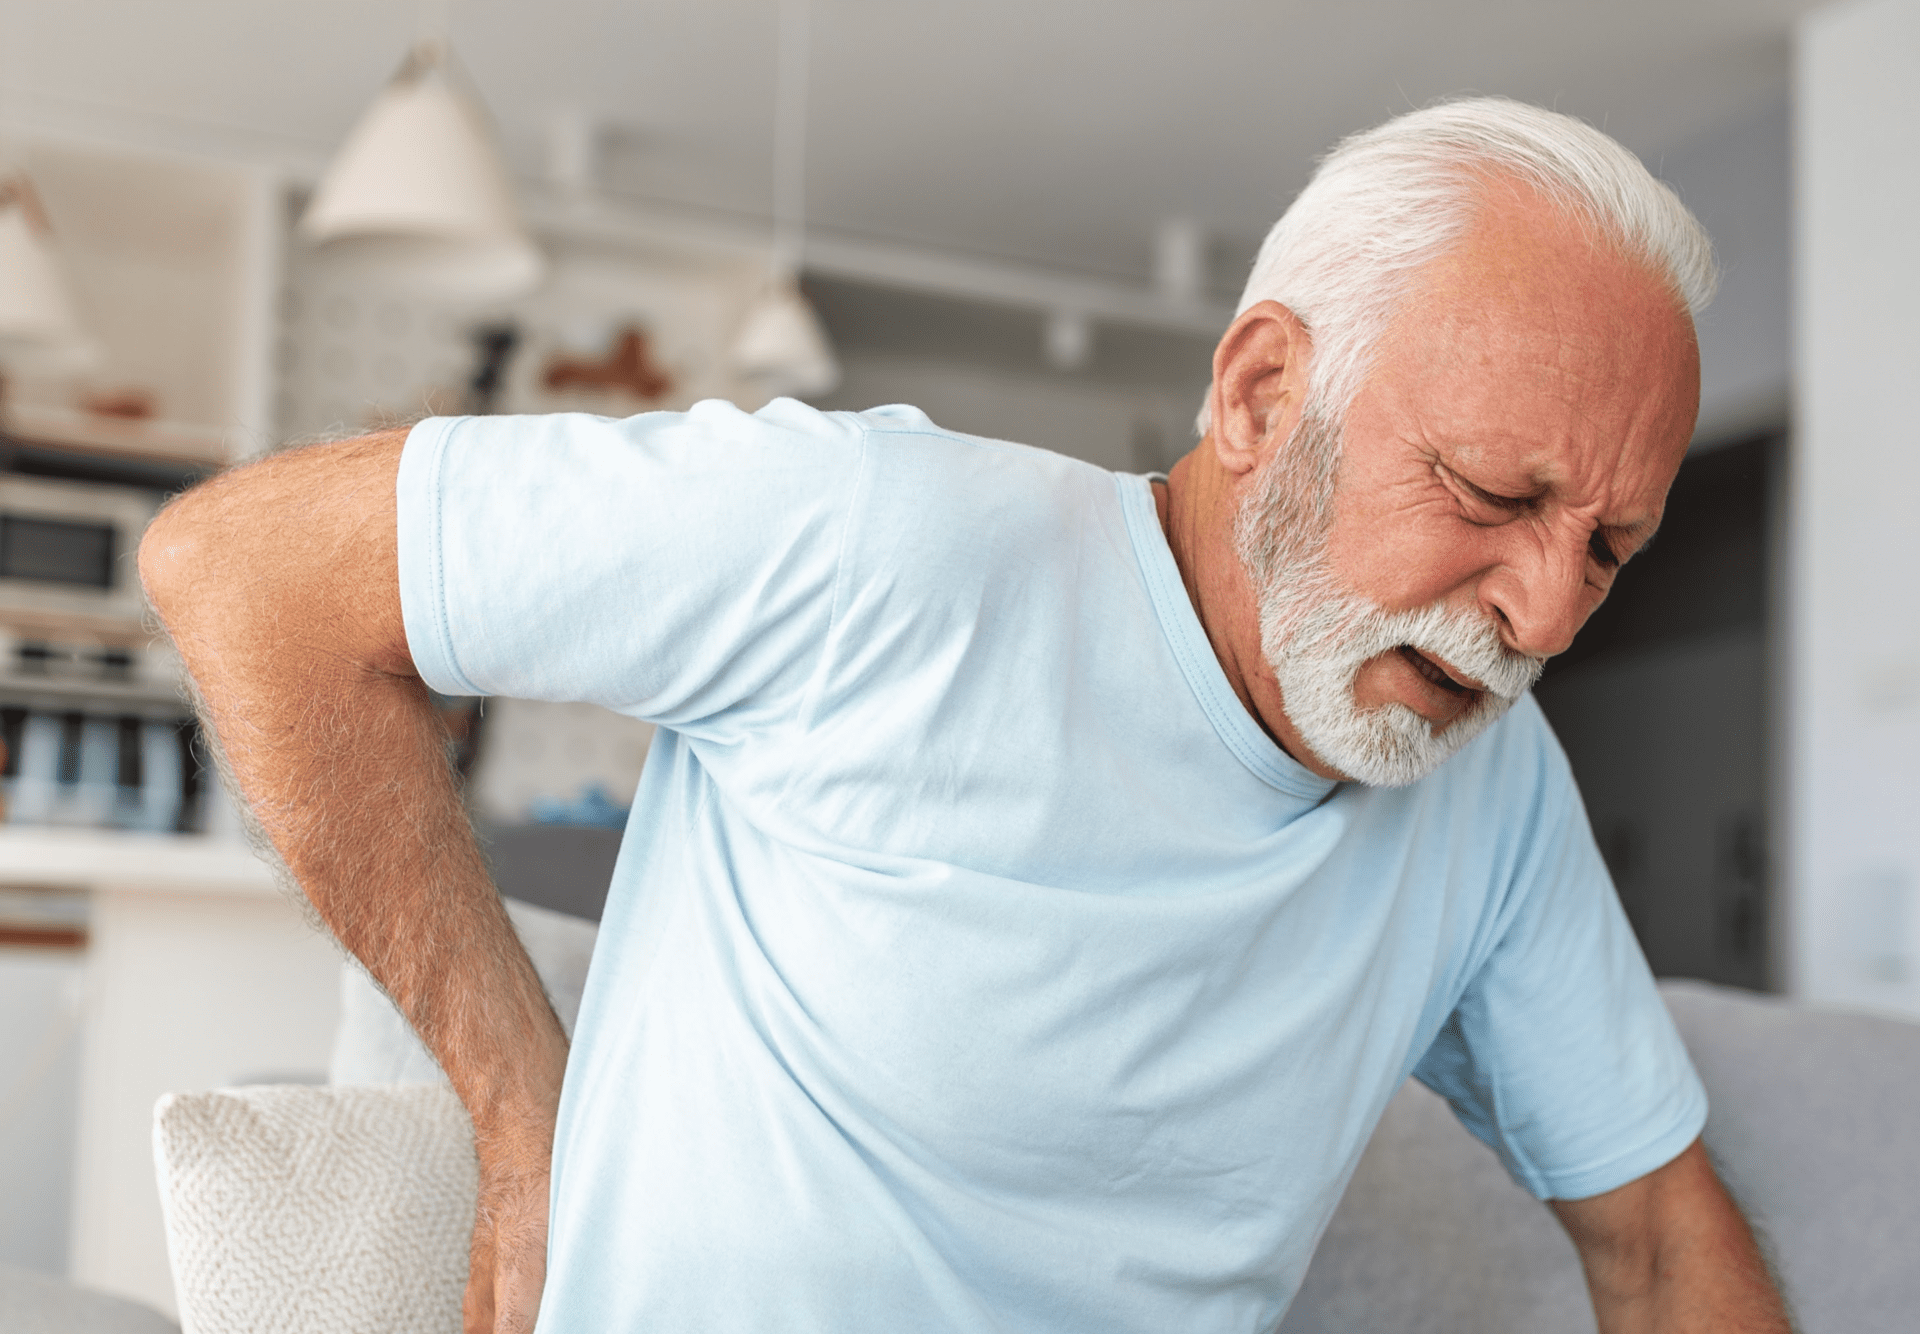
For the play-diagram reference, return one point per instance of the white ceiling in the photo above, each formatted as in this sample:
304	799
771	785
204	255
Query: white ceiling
1057	131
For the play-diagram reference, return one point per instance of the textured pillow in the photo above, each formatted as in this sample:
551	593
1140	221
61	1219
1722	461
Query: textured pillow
302	1210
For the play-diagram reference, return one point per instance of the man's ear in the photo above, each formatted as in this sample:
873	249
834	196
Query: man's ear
1259	384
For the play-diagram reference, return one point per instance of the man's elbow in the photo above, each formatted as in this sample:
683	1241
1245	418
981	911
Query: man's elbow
173	552
159	559
294	553
206	558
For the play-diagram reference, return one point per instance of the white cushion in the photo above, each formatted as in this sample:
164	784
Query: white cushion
375	1045
301	1210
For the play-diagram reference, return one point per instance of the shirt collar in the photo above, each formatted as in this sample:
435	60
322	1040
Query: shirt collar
1187	638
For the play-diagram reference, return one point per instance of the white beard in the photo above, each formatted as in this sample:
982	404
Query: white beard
1317	636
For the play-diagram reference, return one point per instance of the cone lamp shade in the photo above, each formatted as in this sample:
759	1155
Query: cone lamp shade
418	199
781	345
38	327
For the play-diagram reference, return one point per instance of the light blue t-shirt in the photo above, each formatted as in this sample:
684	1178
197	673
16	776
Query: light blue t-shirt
974	961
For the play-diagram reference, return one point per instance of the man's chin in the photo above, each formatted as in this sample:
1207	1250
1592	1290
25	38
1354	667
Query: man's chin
1392	745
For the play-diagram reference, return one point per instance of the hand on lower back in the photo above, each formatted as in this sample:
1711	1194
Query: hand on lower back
508	1267
280	584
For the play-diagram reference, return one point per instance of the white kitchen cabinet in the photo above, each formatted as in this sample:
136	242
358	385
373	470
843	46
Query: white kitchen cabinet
198	974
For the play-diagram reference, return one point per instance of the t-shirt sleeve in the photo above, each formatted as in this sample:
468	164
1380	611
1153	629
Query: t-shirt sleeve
678	567
1560	1054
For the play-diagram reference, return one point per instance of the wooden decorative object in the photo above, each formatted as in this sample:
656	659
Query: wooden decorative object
627	368
17	191
131	404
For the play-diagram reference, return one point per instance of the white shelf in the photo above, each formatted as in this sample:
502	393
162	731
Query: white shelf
185	442
94	858
910	268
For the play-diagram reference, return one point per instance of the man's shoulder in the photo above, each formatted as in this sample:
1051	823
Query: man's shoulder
924	487
903	439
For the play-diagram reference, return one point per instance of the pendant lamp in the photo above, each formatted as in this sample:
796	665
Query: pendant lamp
38	327
417	197
781	345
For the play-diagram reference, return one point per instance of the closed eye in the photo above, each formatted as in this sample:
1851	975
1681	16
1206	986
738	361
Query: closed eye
1499	509
1603	550
1505	506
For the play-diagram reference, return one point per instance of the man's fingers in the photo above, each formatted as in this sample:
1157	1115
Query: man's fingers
519	1246
476	1304
507	1265
517	1282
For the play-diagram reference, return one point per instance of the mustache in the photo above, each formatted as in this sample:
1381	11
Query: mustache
1467	641
1354	630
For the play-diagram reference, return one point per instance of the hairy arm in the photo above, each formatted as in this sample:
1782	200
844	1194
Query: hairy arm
1671	1253
280	585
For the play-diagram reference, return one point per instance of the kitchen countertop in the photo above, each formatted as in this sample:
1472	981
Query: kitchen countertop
93	858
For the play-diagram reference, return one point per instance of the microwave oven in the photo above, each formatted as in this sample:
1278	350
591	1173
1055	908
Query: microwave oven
92	721
67	554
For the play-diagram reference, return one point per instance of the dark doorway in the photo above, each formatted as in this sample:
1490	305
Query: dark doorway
1662	705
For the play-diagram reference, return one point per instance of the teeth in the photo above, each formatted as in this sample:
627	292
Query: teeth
1432	670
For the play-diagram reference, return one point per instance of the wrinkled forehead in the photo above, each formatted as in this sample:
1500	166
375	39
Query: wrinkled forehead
1534	330
1520	248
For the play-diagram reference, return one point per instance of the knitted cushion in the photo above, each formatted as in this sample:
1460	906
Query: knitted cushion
303	1210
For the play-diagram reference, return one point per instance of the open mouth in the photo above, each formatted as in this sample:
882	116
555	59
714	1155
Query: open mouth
1434	672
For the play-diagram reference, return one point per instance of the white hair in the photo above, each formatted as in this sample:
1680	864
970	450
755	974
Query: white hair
1386	201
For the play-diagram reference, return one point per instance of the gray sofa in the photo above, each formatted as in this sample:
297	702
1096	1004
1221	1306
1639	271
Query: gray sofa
1815	1125
34	1303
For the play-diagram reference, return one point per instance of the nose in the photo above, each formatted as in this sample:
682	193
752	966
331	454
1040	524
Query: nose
1541	600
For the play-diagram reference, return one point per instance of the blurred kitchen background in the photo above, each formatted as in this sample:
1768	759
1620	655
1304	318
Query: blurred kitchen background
228	226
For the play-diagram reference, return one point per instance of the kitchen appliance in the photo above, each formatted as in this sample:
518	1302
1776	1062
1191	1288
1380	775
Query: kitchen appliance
91	715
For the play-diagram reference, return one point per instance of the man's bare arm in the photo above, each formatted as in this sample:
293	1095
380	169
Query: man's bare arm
280	585
1671	1253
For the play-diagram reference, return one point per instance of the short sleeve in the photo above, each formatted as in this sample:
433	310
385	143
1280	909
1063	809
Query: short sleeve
678	567
1560	1054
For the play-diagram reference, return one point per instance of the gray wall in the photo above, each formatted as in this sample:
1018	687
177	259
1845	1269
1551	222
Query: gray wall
980	369
1738	180
1854	672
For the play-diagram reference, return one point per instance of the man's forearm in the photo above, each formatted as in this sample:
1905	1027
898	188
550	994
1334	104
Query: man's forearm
337	752
1672	1254
346	773
279	585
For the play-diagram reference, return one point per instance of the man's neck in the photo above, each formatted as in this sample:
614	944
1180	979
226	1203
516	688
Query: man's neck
1198	505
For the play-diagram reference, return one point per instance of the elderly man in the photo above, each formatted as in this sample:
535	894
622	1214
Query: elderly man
1043	878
